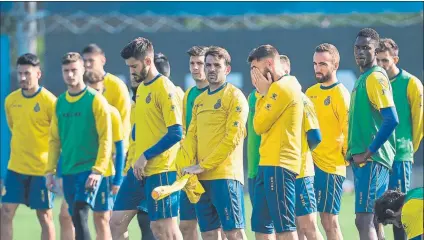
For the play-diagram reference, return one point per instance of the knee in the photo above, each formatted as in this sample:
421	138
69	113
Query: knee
214	234
329	223
101	217
7	213
235	234
44	216
156	227
117	225
308	225
364	221
64	217
188	226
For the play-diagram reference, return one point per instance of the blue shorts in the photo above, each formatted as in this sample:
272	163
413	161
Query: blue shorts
105	198
28	190
74	190
131	195
274	201
305	196
328	191
187	209
164	208
222	205
400	177
251	182
371	181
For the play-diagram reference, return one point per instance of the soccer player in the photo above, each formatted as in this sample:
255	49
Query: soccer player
188	219
94	79
306	209
157	113
214	140
94	59
331	101
279	109
405	211
114	89
285	60
29	112
163	67
408	98
372	120
81	131
131	200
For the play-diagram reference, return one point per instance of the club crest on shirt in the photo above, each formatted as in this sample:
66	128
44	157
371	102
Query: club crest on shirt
37	107
149	98
217	104
327	101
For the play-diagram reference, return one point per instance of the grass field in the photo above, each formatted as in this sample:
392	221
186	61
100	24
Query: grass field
26	225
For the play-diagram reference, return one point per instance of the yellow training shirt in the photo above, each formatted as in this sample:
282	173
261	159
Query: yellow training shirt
131	149
412	218
157	108
310	121
117	135
377	87
29	122
332	108
278	119
216	133
117	95
415	99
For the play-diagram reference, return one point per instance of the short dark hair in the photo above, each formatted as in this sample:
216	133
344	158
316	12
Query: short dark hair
331	49
28	59
71	57
220	53
197	51
261	52
285	59
392	200
369	33
93	48
162	64
137	48
389	45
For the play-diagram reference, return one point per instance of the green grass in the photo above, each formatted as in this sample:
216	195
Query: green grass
26	224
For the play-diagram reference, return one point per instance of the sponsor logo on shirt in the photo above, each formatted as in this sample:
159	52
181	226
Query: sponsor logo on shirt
71	114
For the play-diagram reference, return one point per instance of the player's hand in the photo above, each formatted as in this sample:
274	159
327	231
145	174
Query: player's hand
361	159
92	181
261	83
195	169
115	189
139	166
50	182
